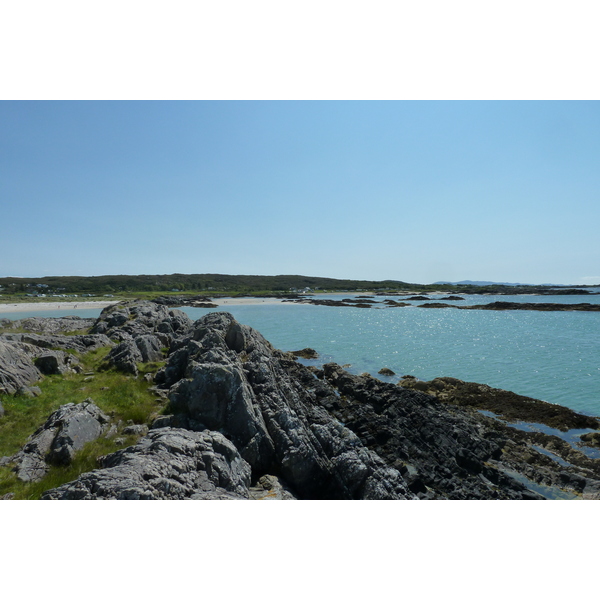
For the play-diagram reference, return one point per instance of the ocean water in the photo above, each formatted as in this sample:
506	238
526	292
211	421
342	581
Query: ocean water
552	356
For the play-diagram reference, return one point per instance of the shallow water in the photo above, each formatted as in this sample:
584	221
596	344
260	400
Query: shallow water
552	356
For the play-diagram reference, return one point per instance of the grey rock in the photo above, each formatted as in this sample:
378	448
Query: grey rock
167	464
80	343
50	325
270	487
125	357
150	347
136	430
56	362
16	367
65	432
229	378
31	391
140	317
1	410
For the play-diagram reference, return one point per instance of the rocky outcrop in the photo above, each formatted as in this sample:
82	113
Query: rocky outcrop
16	367
249	421
65	432
543	306
22	364
80	343
138	317
141	329
511	406
227	377
49	325
167	464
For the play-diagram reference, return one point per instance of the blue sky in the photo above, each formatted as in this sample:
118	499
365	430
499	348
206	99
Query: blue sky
408	190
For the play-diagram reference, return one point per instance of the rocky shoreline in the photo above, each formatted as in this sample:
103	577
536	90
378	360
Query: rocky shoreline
244	420
370	302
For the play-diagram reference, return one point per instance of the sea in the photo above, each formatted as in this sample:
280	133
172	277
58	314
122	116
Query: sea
551	356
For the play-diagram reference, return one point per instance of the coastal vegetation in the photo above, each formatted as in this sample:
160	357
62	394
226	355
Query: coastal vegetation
125	398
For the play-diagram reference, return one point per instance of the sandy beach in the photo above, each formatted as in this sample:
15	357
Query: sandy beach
245	301
33	306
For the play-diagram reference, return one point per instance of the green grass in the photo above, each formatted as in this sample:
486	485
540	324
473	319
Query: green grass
123	397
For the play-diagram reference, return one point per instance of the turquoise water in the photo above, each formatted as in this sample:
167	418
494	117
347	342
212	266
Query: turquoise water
552	356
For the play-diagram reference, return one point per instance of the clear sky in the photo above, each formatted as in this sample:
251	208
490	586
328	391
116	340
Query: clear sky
408	190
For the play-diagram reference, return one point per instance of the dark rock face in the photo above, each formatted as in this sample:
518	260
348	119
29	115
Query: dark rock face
56	362
306	353
544	306
65	432
510	405
229	378
167	464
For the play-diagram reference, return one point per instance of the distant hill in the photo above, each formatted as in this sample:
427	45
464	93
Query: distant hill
179	282
469	282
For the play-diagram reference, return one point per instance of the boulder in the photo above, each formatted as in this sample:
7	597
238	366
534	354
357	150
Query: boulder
168	464
17	369
150	347
65	432
56	362
125	357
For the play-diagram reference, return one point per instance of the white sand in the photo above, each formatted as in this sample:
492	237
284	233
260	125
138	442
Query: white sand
33	306
245	301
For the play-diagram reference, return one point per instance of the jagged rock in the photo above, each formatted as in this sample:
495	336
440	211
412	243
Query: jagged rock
49	325
125	357
65	432
229	378
80	343
167	464
139	317
510	405
150	347
16	367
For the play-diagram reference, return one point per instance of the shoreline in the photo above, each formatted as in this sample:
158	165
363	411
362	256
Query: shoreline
33	306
